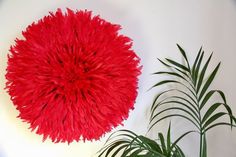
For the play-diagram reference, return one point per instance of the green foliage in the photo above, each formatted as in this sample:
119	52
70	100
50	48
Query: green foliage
125	143
190	99
191	96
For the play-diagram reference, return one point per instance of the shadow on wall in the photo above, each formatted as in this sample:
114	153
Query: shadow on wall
1	4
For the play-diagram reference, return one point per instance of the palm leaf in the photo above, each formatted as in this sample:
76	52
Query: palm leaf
208	82
200	79
194	70
126	143
192	98
183	54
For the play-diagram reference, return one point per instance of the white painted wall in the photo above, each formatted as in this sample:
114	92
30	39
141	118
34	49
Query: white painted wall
155	26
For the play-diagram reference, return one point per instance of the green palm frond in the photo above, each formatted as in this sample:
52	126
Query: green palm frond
190	99
125	143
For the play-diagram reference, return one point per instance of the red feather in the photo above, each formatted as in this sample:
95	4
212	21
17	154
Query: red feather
73	76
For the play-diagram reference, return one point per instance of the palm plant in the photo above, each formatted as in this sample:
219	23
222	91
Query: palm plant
191	98
126	143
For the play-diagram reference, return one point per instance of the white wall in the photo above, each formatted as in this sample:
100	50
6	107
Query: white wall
155	26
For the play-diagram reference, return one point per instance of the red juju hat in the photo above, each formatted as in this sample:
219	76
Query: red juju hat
73	76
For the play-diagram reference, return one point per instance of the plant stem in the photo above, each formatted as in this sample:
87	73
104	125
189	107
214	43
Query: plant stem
200	120
200	152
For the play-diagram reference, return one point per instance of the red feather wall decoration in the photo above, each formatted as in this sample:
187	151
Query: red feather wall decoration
73	76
